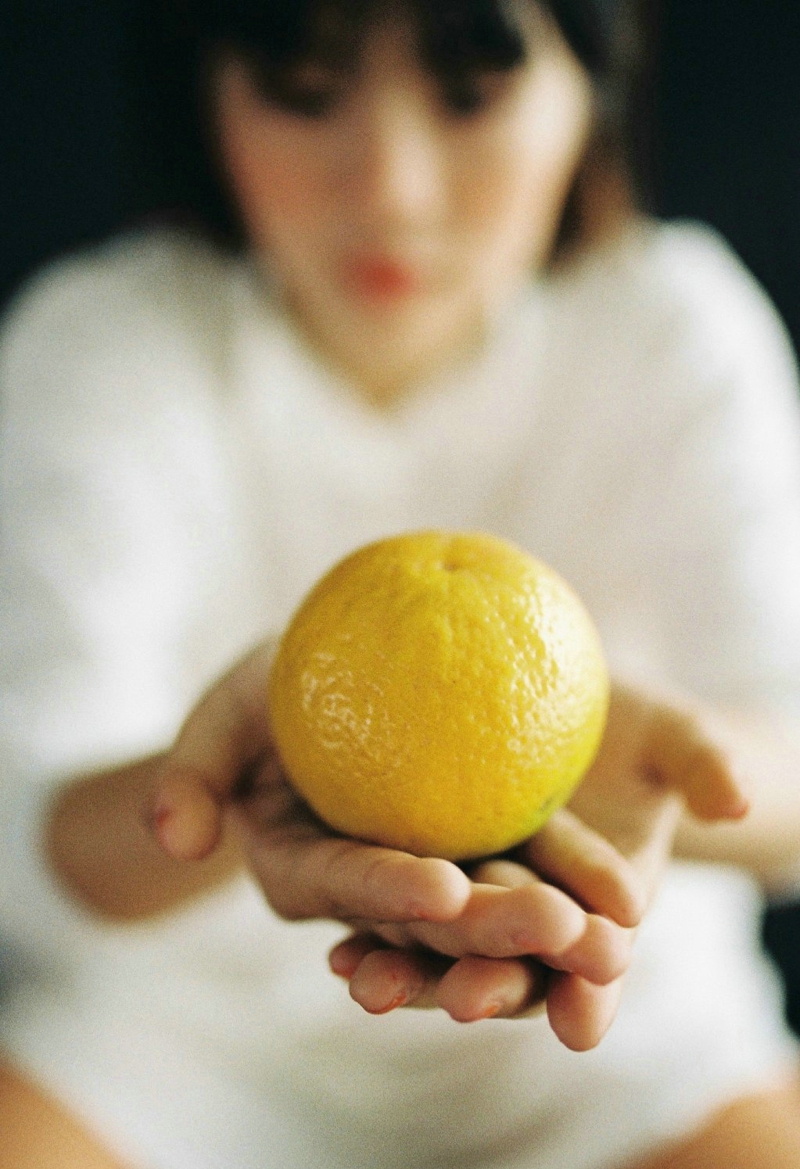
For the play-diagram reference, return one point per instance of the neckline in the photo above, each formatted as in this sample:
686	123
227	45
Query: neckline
446	394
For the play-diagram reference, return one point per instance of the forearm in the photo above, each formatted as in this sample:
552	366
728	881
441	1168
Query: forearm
104	854
766	753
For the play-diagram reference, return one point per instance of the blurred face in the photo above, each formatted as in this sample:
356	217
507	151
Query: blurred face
400	213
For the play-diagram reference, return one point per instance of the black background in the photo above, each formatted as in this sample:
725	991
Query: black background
78	120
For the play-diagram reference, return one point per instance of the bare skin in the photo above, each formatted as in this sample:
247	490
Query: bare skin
606	854
464	206
756	1132
549	929
39	1133
567	902
102	847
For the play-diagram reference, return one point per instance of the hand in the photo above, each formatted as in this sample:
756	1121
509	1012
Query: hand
607	849
223	774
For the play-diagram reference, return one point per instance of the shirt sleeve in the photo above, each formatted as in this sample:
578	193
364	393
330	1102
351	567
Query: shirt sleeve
717	534
87	585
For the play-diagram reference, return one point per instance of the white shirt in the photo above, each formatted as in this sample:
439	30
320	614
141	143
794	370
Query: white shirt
178	470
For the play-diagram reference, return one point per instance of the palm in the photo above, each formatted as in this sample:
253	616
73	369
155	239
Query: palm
657	757
625	796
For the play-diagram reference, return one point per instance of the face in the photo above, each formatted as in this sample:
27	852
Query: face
399	216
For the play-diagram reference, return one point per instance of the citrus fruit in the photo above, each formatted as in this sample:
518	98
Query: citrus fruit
441	693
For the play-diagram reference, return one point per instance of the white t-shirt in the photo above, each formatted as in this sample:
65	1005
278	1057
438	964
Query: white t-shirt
178	470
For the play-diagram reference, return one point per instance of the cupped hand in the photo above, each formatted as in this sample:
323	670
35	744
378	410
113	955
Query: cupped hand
661	754
222	776
591	899
550	926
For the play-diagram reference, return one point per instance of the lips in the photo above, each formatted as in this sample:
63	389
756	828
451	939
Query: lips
382	278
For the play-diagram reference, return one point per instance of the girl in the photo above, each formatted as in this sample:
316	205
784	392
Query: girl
443	317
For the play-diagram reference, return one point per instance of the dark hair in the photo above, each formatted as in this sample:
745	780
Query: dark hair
457	37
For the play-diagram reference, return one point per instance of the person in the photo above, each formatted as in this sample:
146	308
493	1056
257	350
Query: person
446	314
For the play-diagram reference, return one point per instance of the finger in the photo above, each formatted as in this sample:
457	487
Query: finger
185	818
586	865
579	1012
687	760
533	919
601	955
220	739
487	988
347	955
508	874
386	979
306	873
469	989
603	951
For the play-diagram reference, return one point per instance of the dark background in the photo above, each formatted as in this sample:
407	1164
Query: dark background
81	128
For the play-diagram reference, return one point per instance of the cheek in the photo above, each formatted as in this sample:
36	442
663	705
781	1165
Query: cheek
512	212
517	193
277	190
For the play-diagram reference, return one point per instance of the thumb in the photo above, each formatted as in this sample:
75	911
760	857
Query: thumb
187	814
688	759
223	737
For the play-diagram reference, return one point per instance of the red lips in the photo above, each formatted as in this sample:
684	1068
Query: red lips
381	278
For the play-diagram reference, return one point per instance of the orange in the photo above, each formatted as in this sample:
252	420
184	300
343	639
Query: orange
441	693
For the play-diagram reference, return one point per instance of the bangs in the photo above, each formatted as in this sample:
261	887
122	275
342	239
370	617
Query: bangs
457	40
455	37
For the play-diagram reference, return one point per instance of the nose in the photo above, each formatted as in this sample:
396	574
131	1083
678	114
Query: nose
396	170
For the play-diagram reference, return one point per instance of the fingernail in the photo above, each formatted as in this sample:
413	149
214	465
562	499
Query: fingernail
343	966
399	1000
161	816
416	911
490	1011
740	809
153	818
157	820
